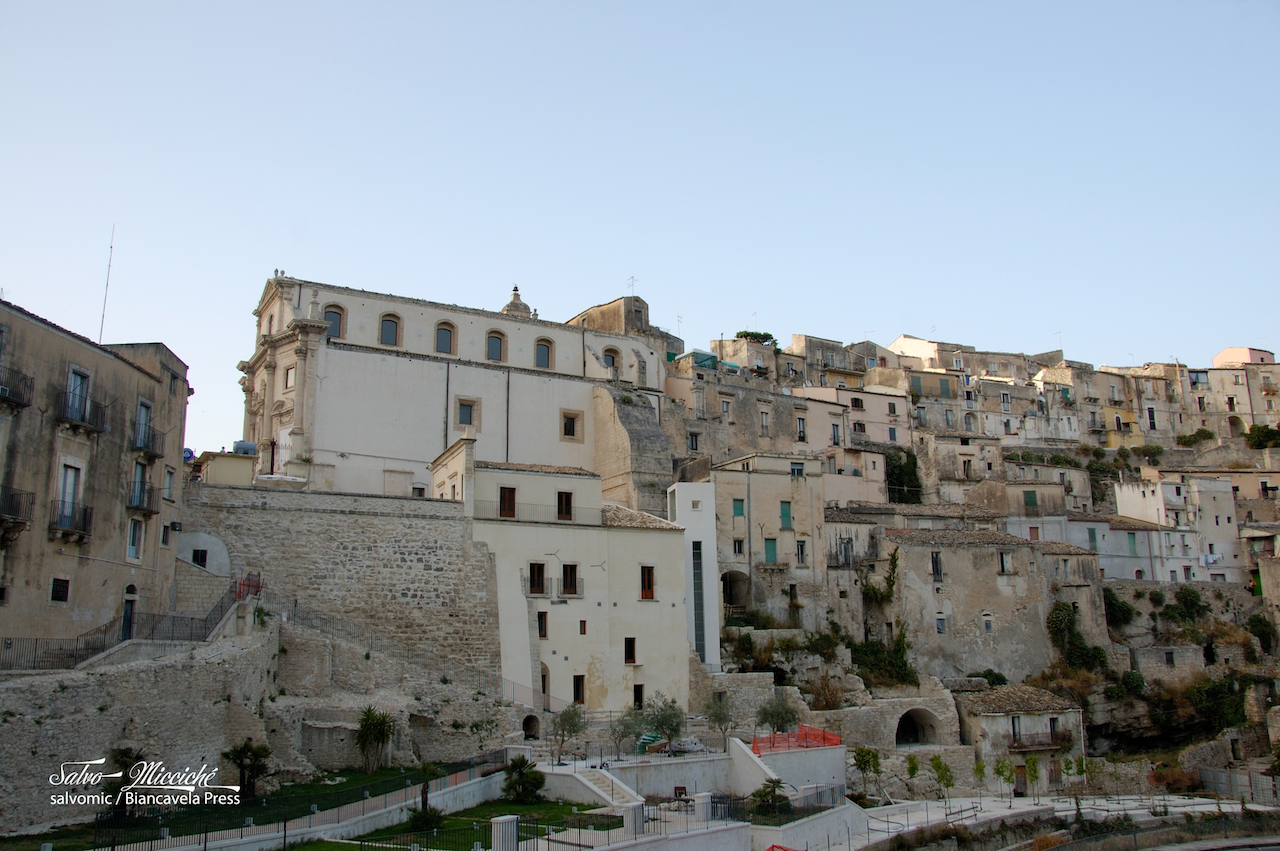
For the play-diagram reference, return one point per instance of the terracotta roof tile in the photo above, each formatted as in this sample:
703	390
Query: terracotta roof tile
626	518
1061	548
536	468
1004	700
858	510
948	538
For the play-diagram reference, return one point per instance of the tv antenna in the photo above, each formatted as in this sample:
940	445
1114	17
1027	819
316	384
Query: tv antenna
111	250
631	282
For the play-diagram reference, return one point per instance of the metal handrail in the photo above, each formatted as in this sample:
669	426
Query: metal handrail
70	517
16	504
15	387
83	410
148	440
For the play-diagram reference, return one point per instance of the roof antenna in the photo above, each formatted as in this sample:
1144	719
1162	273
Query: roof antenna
110	251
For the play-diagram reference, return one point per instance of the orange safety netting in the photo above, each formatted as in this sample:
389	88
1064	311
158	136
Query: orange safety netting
779	848
804	737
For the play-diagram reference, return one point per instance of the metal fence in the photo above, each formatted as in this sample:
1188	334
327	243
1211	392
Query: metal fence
1251	786
35	654
167	827
748	809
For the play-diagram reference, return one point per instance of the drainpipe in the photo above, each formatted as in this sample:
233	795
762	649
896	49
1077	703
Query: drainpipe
446	407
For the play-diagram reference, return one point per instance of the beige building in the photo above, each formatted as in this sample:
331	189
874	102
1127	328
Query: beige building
951	463
1238	392
357	391
91	477
590	596
1198	525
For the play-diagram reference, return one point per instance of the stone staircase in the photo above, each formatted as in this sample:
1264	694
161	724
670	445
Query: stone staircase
610	787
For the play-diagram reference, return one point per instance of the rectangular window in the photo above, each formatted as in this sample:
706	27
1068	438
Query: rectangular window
464	413
966	468
893	409
916	385
944	388
168	485
693	441
738	548
537	578
542	356
922	416
164	535
134	549
570	426
582	627
637	696
1031	503
785	513
935	565
569	579
629	651
1004	562
859	428
835	434
1168	658
647	582
739	508
764	423
290	377
770	550
1133	543
800	432
942	626
60	590
1151	419
699	616
506	502
1093	539
542	624
858	404
200	558
797	469
893	434
800	552
579	688
1033	533
724	407
564	505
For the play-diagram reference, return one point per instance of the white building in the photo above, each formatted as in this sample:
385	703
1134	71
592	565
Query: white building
693	506
1199	532
591	596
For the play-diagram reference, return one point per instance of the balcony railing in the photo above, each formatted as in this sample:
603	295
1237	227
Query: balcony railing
841	561
531	513
573	588
70	517
144	497
16	504
80	410
537	587
16	388
1033	742
148	441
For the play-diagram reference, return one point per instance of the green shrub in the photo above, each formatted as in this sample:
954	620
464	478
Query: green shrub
993	678
881	665
1133	682
1262	437
1115	691
1119	613
1156	597
1198	436
1262	628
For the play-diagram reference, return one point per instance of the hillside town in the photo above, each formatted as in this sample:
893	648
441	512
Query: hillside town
502	531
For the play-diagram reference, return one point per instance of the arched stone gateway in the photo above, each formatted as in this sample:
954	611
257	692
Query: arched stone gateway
1238	428
531	726
735	590
917	727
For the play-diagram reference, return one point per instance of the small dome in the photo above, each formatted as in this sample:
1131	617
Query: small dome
516	307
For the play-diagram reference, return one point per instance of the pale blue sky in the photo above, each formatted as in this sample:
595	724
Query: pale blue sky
998	172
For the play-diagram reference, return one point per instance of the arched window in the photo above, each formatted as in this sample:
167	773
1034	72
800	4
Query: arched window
495	346
542	354
612	360
444	338
970	422
336	317
389	330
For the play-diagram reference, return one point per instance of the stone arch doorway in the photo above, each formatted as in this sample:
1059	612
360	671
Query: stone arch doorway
531	726
735	591
1237	426
916	727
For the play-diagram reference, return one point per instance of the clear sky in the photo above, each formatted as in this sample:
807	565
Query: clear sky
979	172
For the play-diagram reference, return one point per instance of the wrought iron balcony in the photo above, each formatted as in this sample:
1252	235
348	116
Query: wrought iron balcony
81	411
574	588
16	388
533	513
1033	742
70	518
144	497
16	505
148	441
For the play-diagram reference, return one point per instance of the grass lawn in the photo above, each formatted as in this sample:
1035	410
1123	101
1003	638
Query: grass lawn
74	838
541	811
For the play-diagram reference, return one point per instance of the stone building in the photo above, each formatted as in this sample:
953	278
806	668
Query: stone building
1017	722
950	463
1127	548
91	475
1237	392
1197	516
